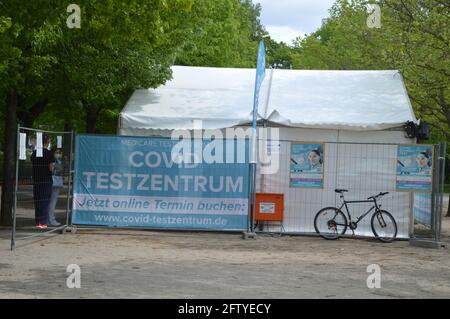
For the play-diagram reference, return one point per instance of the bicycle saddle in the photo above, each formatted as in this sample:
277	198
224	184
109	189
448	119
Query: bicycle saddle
338	190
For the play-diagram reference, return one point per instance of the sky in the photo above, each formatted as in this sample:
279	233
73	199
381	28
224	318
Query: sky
287	19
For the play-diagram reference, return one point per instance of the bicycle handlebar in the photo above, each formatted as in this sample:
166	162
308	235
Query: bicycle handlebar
379	195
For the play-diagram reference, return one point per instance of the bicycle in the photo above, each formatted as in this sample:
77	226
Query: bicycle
331	223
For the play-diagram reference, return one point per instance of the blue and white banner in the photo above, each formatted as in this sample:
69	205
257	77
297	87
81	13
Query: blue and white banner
306	166
133	182
414	167
422	209
260	74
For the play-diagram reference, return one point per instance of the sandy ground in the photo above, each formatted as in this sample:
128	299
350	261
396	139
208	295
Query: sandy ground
151	264
156	264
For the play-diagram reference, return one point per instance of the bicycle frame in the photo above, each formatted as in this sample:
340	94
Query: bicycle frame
344	204
378	221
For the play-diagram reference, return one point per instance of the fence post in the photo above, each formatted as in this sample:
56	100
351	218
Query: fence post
13	234
69	180
442	153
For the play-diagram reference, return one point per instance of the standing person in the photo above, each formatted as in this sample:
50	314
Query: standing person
42	182
56	186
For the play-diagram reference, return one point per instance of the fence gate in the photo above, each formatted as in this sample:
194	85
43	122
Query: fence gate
36	194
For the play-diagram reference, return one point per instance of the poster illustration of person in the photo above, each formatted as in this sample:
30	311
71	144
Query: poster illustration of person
414	167
306	165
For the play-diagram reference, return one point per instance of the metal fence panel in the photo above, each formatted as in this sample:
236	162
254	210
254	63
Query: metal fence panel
364	169
29	192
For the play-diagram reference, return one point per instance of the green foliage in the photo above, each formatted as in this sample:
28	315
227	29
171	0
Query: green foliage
413	38
83	77
222	33
279	55
81	74
425	39
9	54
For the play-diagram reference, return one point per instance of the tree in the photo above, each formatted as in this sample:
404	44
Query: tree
223	33
121	46
279	55
426	43
413	38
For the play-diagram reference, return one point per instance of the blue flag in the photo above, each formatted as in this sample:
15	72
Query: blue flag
260	73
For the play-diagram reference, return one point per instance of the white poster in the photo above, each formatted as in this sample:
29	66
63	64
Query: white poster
59	141
267	208
39	144
22	146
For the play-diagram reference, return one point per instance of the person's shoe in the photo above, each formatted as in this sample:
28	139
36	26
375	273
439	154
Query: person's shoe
42	226
55	223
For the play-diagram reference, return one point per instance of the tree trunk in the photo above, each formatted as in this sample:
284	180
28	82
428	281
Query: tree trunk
91	118
448	208
9	159
67	142
27	116
66	139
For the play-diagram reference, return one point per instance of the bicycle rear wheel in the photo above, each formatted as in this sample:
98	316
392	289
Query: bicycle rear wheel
330	223
384	226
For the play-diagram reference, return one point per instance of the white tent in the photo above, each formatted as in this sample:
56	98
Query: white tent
221	97
332	107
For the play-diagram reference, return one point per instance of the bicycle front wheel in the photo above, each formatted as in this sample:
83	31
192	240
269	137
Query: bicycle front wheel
384	226
330	223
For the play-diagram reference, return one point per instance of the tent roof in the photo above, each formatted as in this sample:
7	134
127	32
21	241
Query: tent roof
223	97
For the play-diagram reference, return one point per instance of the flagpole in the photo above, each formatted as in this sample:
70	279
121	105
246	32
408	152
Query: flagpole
260	73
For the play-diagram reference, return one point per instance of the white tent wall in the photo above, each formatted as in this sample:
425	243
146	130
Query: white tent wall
357	114
128	131
363	169
303	134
